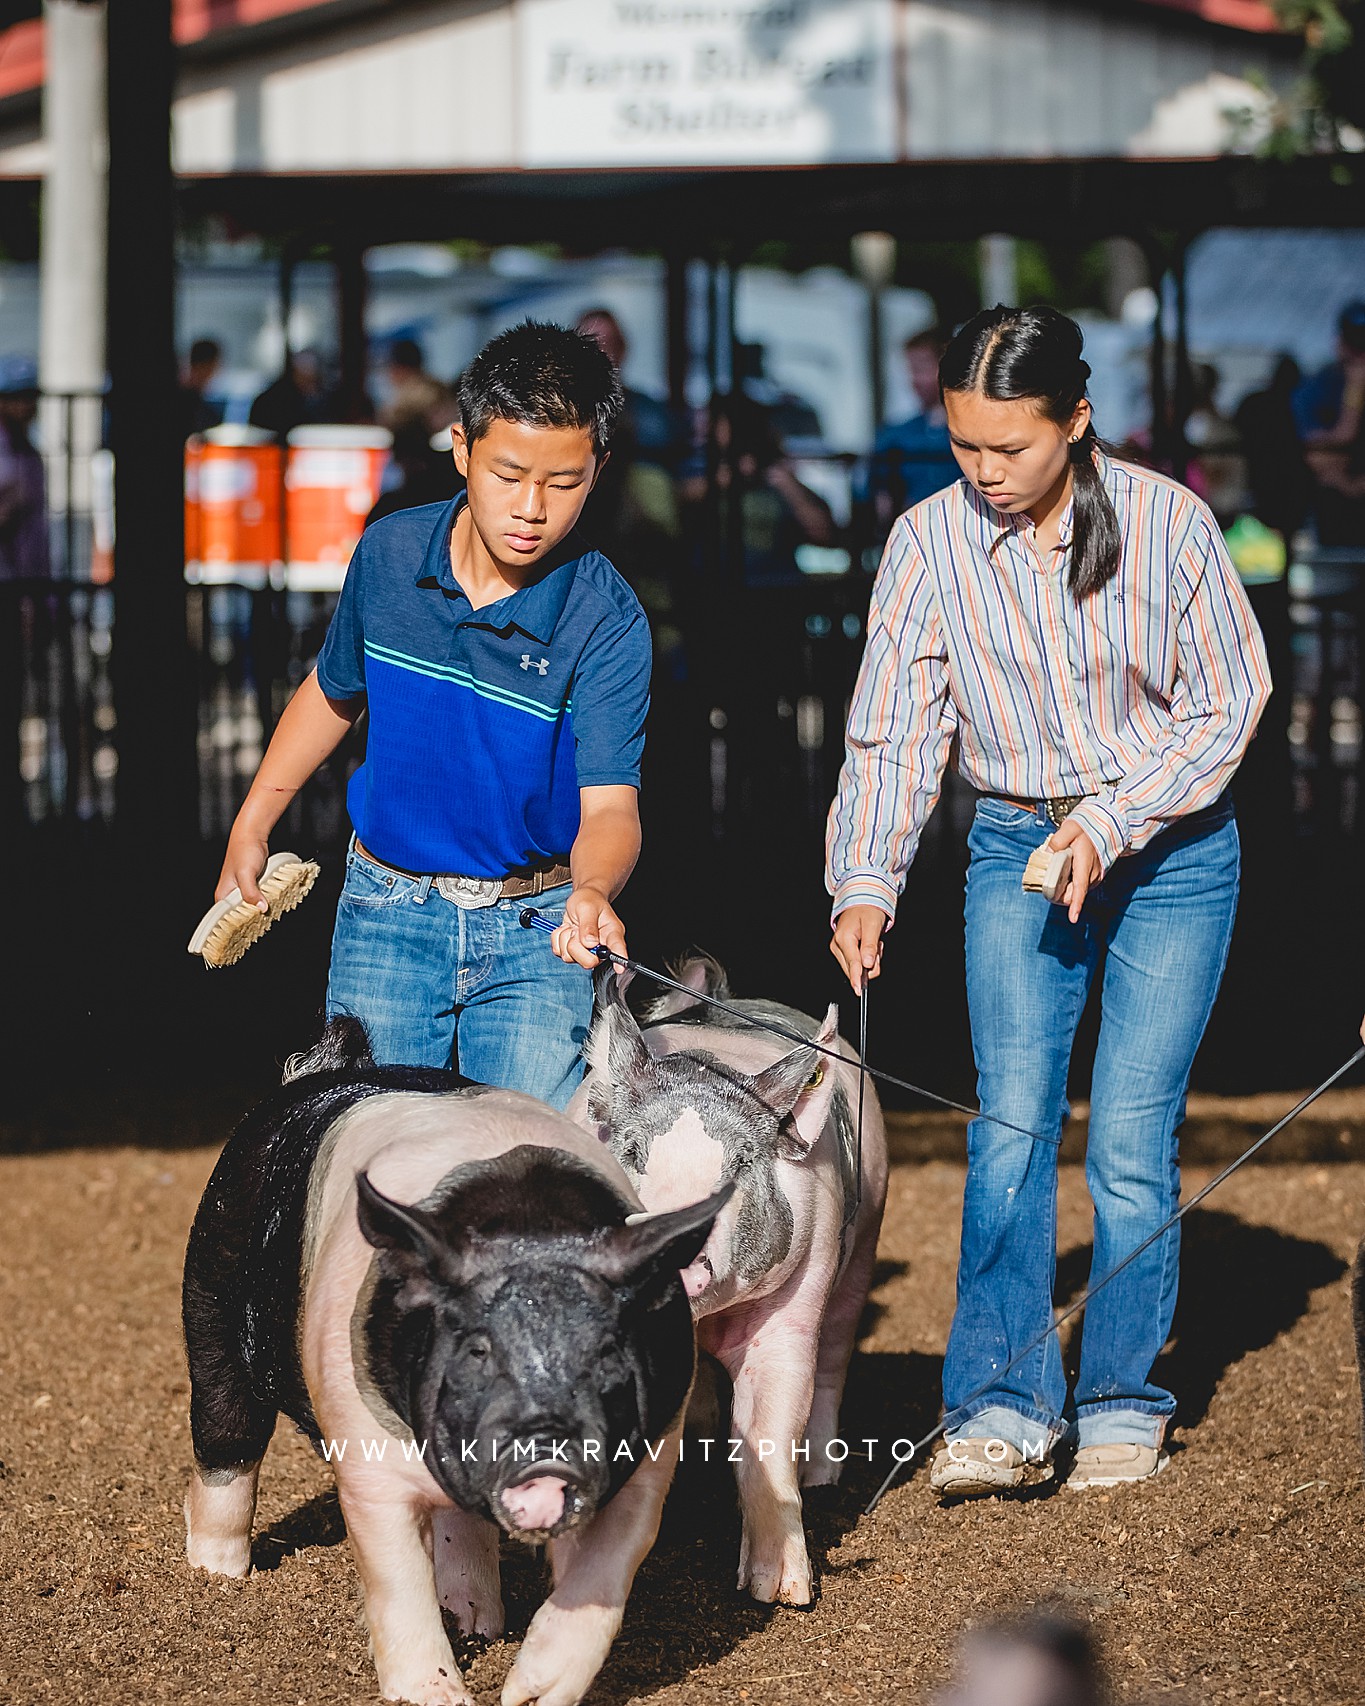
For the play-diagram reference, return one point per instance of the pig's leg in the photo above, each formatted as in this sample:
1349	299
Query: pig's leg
464	1549
838	1334
407	1638
219	1508
229	1425
571	1635
772	1365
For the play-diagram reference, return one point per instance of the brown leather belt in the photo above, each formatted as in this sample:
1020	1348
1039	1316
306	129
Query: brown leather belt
487	889
1056	809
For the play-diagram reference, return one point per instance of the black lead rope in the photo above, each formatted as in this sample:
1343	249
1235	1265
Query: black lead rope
1117	1269
533	920
862	1096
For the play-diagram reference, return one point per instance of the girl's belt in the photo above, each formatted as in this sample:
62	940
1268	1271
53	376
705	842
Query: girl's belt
1057	809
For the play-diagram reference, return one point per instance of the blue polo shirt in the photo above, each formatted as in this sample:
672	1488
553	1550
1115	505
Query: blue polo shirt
483	724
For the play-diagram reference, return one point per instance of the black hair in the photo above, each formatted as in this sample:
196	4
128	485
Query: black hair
542	376
205	349
1034	355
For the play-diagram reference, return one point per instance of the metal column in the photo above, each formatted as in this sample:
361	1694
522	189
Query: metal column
153	681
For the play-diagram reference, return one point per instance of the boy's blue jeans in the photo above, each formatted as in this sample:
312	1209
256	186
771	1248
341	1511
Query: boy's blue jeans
442	985
1161	921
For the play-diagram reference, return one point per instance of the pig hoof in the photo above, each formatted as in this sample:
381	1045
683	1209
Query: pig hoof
562	1653
786	1582
473	1616
438	1691
815	1474
221	1557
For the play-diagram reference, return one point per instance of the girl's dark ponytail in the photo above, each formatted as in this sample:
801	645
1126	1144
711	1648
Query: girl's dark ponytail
1096	545
1034	355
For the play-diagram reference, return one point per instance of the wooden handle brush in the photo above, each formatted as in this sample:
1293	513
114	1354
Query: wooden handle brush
232	924
1048	872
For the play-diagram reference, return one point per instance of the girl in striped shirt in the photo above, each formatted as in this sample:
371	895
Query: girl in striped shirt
1071	630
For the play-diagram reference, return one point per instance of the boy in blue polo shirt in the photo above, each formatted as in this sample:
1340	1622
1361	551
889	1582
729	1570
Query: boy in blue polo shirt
505	667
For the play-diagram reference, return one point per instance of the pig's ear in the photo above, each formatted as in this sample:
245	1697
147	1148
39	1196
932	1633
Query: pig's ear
798	1089
660	1244
615	1049
699	973
395	1227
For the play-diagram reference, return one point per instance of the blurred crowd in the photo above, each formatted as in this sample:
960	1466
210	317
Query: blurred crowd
736	481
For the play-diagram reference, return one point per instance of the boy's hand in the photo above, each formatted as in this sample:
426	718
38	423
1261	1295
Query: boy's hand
588	921
857	943
245	860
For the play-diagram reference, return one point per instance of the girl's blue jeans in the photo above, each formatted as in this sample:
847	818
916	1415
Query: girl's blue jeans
1156	932
440	985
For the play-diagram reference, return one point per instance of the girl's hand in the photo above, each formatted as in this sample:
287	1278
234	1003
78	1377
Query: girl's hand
857	943
1085	864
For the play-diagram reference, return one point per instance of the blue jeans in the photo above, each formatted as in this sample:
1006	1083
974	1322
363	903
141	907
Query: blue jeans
1159	925
441	985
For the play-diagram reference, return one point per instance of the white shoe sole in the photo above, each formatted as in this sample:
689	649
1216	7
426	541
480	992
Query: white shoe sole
1081	1483
963	1480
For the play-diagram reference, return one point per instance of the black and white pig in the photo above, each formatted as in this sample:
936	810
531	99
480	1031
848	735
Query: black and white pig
442	1277
694	1102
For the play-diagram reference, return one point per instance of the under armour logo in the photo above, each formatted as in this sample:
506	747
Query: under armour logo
528	662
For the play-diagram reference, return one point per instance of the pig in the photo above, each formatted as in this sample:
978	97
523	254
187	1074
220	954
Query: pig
696	1101
418	1272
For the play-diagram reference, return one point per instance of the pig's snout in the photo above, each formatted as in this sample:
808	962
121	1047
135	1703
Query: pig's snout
536	1505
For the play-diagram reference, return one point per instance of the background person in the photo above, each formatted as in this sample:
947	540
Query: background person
1330	410
299	397
777	511
1023	619
1277	474
912	459
23	496
416	398
198	412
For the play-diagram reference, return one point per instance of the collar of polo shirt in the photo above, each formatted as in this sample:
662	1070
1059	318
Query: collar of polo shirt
532	610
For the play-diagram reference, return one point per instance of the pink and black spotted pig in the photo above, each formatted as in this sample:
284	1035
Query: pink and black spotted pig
696	1102
442	1279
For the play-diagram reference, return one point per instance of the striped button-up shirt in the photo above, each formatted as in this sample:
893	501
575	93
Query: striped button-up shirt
1143	696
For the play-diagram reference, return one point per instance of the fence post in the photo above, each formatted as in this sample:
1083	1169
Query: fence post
153	684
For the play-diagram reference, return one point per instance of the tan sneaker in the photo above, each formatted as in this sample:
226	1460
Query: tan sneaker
1112	1465
969	1468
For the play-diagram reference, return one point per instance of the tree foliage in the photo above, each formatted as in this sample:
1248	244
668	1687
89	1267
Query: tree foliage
1325	111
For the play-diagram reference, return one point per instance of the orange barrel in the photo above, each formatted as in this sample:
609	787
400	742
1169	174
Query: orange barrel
237	524
194	451
332	480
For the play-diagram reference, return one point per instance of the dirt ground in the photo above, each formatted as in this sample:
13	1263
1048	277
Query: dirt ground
1238	1576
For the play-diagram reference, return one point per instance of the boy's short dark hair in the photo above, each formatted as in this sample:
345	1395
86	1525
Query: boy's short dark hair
542	376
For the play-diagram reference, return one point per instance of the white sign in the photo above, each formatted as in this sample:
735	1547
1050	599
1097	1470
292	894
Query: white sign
687	82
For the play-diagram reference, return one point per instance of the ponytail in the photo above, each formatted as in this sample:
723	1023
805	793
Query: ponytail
1096	544
1034	355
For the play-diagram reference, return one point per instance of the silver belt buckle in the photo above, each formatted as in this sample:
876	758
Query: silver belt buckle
470	893
1060	809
